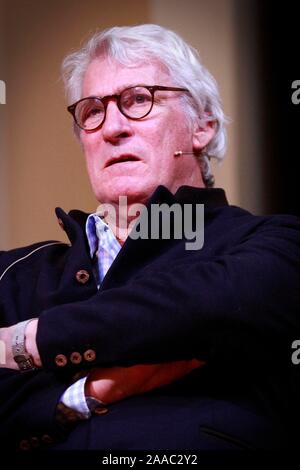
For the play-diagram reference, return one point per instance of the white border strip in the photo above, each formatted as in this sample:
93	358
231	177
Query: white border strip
27	256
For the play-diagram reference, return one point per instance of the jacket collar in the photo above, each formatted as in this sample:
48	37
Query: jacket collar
136	253
212	198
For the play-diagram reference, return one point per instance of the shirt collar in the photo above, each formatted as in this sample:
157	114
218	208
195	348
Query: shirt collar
96	229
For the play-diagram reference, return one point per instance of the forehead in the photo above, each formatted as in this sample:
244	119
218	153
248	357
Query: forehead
106	76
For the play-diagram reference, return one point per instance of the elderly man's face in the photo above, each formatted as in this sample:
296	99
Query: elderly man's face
152	141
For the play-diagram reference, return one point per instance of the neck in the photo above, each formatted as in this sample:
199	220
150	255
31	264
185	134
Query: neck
120	216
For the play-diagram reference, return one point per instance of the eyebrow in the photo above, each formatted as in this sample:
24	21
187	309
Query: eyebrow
118	90
132	85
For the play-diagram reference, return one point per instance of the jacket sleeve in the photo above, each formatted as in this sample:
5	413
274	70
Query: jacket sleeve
27	411
241	306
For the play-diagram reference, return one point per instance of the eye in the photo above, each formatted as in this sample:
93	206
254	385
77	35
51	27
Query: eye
136	97
91	112
140	98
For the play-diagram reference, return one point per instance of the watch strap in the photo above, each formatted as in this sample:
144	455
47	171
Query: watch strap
20	355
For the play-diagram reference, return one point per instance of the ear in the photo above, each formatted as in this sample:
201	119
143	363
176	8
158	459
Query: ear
202	134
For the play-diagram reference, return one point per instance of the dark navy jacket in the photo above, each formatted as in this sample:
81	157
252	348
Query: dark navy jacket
235	304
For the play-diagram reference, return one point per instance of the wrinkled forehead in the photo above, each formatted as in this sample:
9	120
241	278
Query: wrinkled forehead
105	75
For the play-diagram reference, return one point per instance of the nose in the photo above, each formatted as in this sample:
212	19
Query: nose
116	126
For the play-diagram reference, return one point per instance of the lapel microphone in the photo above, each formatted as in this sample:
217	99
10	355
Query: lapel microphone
178	153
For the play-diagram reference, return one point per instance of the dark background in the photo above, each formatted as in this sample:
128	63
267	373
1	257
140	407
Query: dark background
279	52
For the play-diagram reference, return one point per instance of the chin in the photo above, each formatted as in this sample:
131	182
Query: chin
135	191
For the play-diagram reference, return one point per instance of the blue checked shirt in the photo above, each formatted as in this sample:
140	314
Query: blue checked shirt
104	247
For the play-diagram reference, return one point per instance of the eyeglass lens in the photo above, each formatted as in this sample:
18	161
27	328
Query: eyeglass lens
134	102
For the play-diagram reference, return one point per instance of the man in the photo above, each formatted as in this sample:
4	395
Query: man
131	342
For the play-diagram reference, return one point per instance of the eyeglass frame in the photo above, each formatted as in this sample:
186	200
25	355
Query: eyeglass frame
105	100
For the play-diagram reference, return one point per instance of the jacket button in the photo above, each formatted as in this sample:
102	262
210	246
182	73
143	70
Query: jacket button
61	224
46	439
24	444
89	355
76	358
100	411
34	441
82	276
60	360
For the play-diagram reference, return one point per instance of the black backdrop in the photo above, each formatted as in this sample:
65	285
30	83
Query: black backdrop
279	50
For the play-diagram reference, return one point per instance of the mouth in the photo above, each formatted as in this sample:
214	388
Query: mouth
121	159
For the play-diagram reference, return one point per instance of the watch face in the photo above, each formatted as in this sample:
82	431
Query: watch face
24	362
21	358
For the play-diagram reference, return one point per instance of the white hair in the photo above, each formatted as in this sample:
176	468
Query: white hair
134	45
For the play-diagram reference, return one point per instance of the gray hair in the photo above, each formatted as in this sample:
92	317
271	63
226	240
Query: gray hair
134	45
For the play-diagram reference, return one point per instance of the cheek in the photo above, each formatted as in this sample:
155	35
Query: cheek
89	148
159	138
88	144
174	130
90	161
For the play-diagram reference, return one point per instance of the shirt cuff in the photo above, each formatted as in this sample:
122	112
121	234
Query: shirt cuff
74	398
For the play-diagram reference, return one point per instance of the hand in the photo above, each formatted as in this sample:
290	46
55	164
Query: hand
6	336
116	383
6	359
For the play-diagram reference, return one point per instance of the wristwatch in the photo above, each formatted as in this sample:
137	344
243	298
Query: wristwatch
20	355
